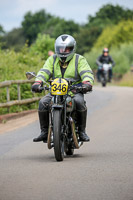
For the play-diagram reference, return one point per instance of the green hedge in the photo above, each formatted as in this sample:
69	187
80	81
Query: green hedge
13	66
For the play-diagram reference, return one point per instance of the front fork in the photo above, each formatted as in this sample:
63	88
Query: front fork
50	130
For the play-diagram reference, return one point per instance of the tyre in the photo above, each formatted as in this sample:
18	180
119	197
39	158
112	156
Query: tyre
57	136
104	84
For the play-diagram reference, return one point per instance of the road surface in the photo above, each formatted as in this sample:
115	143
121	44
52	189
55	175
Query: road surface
100	170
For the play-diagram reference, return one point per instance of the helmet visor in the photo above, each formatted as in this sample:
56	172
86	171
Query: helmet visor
63	50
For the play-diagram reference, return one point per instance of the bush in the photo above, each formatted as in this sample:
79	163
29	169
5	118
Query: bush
116	35
42	45
122	63
91	58
13	66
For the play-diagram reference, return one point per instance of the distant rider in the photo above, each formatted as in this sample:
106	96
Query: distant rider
105	58
66	64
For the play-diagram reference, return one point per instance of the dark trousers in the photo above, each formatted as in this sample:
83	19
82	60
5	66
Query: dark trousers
110	74
80	107
79	101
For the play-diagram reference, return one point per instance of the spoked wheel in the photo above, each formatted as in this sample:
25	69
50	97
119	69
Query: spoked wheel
58	136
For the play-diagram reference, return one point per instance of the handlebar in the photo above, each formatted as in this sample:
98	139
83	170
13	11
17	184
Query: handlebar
73	88
43	88
76	88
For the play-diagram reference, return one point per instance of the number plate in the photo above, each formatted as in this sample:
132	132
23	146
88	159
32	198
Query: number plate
59	87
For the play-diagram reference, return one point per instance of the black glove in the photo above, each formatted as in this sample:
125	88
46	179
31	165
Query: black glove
86	87
36	86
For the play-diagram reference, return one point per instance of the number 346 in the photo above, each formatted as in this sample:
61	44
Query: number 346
60	87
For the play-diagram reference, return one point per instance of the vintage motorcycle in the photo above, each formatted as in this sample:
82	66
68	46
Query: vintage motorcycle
63	130
104	74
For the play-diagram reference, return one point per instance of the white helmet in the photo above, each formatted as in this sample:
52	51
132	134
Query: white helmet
65	47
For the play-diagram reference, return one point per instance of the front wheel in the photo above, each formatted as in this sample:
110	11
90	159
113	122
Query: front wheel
103	81
104	84
58	138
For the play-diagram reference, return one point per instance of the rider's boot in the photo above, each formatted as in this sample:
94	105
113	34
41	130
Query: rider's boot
81	119
44	122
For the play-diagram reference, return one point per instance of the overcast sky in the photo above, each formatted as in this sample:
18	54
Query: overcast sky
12	11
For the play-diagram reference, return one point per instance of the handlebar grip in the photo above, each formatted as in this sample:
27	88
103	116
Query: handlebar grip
40	89
43	88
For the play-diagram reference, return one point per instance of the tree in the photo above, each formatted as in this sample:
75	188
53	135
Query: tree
34	24
45	23
57	26
14	39
1	34
116	35
42	45
111	14
108	15
65	27
1	30
85	39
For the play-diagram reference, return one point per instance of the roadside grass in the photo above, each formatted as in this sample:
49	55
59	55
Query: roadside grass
127	80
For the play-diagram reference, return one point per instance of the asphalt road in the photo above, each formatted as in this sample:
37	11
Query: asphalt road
100	170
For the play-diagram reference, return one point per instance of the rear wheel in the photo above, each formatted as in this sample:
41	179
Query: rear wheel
58	136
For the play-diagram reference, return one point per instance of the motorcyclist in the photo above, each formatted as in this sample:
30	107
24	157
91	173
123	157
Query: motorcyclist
105	58
66	64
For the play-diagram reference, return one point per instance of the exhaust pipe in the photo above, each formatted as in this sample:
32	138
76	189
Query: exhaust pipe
49	138
77	144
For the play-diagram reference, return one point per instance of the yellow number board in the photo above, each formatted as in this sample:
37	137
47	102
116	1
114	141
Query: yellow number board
59	87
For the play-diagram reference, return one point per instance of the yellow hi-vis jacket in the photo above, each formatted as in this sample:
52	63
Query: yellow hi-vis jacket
77	70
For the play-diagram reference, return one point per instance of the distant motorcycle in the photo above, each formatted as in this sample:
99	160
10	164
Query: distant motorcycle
104	74
63	128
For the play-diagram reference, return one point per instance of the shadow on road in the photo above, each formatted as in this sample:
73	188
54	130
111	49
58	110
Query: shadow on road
50	158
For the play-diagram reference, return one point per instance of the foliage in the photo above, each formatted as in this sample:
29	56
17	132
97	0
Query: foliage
1	30
41	22
115	35
63	27
14	39
85	39
110	14
34	24
42	45
91	58
44	23
122	56
122	63
111	26
127	50
127	80
13	66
